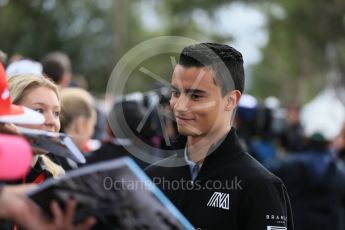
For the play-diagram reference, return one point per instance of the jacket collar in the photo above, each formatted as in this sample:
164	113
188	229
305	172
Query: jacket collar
220	153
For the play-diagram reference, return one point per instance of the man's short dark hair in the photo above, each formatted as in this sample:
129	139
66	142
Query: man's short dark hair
53	70
226	62
55	65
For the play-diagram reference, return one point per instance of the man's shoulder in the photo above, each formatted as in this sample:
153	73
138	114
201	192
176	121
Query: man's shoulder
231	159
254	173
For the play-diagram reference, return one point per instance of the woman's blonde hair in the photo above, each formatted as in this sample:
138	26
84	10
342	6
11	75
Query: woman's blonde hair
75	102
19	85
56	170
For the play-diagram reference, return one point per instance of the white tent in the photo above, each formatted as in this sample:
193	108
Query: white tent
324	115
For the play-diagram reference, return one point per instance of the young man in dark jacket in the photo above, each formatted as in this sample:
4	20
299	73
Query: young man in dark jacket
213	181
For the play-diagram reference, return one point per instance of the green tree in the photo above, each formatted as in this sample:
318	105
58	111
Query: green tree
296	61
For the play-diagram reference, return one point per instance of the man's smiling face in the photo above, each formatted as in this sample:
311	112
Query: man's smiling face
197	102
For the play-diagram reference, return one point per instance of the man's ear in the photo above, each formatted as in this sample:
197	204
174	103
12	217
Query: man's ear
232	99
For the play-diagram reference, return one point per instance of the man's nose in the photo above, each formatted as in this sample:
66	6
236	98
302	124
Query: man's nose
181	104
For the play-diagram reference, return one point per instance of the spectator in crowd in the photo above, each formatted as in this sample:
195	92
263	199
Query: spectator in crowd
57	66
24	66
41	95
262	144
339	144
314	177
246	118
291	139
78	118
12	147
15	160
119	143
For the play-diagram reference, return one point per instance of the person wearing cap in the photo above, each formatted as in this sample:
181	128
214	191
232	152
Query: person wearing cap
315	177
15	154
211	179
41	95
15	161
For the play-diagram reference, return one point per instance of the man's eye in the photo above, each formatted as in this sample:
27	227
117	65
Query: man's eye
195	96
175	93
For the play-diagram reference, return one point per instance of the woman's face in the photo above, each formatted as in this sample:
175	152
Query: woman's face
45	101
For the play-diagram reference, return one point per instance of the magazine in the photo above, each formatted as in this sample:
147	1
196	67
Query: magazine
56	143
117	193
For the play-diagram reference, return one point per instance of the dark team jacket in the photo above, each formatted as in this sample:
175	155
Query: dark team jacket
232	190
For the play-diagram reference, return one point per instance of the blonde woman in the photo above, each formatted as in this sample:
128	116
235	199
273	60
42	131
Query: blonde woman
78	119
41	95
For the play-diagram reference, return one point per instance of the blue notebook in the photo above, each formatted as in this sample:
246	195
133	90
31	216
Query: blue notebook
117	192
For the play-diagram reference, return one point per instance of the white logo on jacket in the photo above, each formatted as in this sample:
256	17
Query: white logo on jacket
276	228
219	200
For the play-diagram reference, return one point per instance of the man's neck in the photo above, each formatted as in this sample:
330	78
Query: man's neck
199	146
